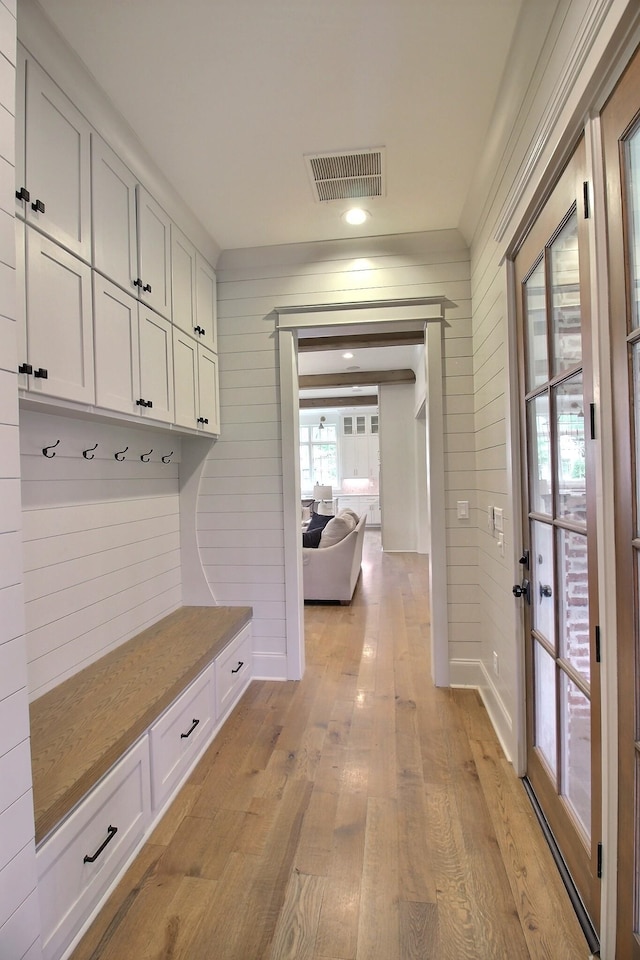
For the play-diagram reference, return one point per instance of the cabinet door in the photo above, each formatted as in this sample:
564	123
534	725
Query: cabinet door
206	303
183	282
117	354
185	371
156	366
154	253
113	189
208	391
57	165
59	322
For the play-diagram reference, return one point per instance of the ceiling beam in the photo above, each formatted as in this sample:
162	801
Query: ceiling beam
360	341
357	378
324	403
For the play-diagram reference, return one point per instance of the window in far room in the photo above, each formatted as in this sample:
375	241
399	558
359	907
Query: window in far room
318	455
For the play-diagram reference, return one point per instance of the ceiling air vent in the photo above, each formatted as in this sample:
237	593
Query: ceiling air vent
347	176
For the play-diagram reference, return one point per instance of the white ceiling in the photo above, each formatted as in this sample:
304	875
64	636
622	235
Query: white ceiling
229	95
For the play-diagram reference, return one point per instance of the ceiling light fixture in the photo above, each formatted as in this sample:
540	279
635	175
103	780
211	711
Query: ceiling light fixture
356	216
347	356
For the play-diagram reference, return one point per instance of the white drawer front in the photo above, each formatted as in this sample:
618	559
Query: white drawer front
179	734
111	819
233	669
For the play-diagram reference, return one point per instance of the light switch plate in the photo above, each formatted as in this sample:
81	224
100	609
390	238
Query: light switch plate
463	509
497	518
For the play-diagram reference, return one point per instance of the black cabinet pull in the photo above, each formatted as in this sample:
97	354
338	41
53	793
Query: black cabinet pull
38	206
25	368
23	194
147	288
111	832
239	667
194	724
149	404
41	373
141	402
137	283
202	420
200	330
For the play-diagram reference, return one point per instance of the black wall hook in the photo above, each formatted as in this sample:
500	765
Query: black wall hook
167	459
85	453
120	454
46	449
145	456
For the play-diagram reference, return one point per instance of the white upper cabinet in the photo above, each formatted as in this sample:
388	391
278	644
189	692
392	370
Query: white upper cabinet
156	399
113	195
183	282
154	253
117	348
52	162
196	384
131	232
59	328
206	304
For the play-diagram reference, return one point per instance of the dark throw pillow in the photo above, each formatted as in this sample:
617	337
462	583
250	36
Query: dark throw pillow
311	538
318	521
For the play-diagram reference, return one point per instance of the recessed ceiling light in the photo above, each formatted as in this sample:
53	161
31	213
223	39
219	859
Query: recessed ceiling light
347	356
356	216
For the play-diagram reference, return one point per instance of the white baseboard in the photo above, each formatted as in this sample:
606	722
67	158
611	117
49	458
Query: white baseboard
473	673
269	666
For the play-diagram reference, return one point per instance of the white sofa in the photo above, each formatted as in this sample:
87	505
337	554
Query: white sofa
331	573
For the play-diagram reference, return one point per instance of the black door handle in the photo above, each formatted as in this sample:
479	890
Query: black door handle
23	194
38	206
523	590
42	373
194	724
545	590
239	667
25	368
111	832
147	288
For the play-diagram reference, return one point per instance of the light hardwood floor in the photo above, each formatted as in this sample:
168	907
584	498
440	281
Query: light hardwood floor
359	814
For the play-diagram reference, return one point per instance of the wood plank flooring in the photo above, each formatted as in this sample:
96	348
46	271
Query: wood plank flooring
360	814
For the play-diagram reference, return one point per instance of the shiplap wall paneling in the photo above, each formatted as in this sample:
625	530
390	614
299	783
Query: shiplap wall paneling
250	284
19	912
101	540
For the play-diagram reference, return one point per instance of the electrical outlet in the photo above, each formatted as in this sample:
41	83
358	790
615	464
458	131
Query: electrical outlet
496	666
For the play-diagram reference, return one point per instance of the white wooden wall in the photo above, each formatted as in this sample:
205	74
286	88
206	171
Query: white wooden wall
240	518
101	540
19	912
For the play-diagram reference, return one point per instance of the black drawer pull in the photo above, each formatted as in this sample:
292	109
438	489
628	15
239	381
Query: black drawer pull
194	724
38	206
239	667
137	283
42	373
111	831
25	368
23	194
147	288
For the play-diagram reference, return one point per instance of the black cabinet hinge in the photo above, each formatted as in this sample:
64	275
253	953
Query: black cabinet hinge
586	198
597	640
599	862
592	420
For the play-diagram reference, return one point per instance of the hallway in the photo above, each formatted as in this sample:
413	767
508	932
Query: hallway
359	814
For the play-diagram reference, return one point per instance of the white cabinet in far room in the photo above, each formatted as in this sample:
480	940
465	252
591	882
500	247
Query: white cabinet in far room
355	457
134	355
131	232
55	324
196	384
53	190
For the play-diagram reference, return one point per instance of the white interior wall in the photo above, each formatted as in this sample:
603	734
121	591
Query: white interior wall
251	283
19	911
101	540
398	467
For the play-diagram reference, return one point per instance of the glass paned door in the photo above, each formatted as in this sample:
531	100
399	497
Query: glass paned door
563	703
621	143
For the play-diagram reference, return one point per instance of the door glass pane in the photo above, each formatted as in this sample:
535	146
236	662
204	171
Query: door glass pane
572	485
576	754
574	600
633	234
544	679
565	297
539	447
536	324
542	603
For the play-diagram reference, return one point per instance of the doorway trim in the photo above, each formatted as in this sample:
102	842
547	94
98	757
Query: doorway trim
428	314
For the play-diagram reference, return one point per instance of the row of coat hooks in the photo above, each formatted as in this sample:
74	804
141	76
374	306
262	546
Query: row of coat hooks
89	453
